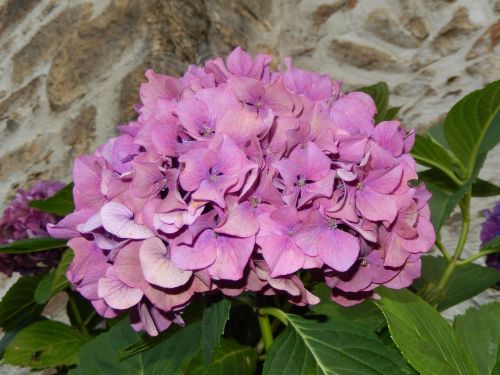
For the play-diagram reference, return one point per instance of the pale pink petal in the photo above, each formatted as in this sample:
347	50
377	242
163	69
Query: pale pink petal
117	219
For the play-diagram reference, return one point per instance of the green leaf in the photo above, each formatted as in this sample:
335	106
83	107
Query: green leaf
60	204
493	244
229	358
380	95
100	356
472	127
334	346
56	281
366	313
192	314
19	304
481	188
430	153
45	344
215	316
424	337
466	282
391	113
479	330
437	133
32	245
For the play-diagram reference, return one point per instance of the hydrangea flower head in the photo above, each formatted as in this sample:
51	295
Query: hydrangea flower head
233	178
491	229
19	222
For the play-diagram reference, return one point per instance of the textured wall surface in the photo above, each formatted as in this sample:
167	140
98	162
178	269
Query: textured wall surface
70	69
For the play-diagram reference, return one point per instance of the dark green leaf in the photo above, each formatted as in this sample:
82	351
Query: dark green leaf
366	313
45	344
466	282
442	204
479	330
334	346
380	95
19	304
60	204
424	337
437	132
493	244
192	314
32	245
472	127
430	153
230	358
215	316
481	188
391	113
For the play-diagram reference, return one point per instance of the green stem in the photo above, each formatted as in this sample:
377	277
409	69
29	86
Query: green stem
265	329
443	250
89	318
480	254
277	313
77	314
448	272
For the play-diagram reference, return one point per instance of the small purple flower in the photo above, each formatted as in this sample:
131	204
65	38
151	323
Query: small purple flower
19	222
491	229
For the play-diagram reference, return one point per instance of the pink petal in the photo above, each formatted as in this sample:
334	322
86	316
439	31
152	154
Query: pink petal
201	255
157	266
117	219
117	294
374	206
232	257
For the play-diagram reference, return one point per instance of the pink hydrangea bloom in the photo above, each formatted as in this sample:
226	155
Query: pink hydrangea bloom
233	178
19	222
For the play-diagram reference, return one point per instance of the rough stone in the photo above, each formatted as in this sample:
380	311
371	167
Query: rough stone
417	27
362	56
13	11
387	27
324	11
46	41
486	43
79	132
19	98
450	37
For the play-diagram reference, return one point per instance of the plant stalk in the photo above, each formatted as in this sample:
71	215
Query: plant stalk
265	329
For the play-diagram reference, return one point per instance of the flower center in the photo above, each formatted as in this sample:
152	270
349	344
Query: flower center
301	181
332	223
360	185
206	130
255	201
290	233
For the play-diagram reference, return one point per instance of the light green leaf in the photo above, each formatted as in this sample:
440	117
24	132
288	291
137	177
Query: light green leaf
493	244
424	337
472	127
380	95
335	346
60	204
230	358
32	245
430	153
366	313
55	281
19	304
466	282
215	316
479	330
45	344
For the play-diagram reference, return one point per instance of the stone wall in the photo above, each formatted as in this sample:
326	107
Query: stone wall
70	69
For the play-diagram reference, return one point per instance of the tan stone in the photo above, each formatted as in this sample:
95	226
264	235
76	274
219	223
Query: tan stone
46	41
417	27
325	11
13	11
387	27
19	97
91	51
79	132
451	37
362	56
486	43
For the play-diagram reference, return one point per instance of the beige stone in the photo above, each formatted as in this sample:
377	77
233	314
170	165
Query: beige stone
13	11
79	132
46	41
387	27
324	11
362	56
486	43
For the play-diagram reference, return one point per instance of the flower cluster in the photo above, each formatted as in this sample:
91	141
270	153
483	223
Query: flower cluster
233	178
19	222
491	229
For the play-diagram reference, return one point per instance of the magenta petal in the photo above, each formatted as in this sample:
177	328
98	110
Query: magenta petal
384	181
240	220
281	254
117	219
116	293
376	206
157	266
